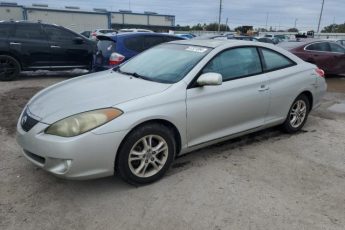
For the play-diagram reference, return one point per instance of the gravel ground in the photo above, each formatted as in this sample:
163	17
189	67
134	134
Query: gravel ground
266	180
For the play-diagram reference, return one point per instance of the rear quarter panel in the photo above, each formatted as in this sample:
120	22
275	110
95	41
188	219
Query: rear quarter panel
285	85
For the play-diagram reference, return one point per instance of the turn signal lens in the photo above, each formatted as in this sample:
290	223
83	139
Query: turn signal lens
83	122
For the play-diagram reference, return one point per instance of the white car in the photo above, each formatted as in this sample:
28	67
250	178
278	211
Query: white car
135	30
97	32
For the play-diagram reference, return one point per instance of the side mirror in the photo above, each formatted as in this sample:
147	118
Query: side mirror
78	40
210	79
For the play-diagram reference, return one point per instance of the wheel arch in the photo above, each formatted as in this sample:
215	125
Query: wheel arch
13	56
309	95
166	123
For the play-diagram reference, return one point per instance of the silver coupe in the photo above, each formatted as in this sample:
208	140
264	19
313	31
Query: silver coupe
133	120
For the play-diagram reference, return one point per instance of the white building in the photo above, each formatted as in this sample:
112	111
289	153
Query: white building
80	20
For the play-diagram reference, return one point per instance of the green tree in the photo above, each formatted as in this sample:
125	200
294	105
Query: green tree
293	30
334	28
214	27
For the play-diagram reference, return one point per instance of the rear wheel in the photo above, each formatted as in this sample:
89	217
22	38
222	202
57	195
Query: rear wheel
298	114
146	154
9	68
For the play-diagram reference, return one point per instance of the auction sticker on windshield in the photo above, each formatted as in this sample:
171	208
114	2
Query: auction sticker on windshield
196	49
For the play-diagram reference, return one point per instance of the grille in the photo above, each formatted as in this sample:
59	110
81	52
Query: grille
27	122
35	157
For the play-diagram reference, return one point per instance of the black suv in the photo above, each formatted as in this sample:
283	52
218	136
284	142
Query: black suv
32	46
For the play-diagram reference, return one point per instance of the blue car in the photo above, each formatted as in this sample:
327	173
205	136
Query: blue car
186	36
116	49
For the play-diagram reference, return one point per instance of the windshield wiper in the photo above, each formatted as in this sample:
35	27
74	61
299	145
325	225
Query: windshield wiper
136	75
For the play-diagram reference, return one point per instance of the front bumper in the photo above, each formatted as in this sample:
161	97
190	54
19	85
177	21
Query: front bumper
85	156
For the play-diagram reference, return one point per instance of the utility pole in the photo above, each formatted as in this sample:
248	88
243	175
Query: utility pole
318	27
220	14
267	14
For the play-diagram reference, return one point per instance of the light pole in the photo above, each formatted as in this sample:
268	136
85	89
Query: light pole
296	19
318	27
220	13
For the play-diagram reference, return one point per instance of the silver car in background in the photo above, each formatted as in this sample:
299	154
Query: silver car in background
169	100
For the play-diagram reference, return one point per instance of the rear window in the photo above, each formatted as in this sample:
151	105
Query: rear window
274	61
135	43
106	47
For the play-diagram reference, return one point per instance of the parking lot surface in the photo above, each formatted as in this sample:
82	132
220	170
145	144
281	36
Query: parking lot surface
266	180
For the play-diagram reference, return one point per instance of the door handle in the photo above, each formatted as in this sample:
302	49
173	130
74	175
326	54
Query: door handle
15	43
55	47
263	88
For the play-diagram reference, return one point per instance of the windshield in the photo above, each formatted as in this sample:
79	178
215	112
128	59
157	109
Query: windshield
167	63
106	47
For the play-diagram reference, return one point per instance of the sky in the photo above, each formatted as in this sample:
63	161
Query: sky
281	14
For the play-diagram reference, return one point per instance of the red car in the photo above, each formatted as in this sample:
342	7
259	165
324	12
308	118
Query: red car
327	55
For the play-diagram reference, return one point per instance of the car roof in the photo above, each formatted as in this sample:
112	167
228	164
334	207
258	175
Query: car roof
297	44
213	43
135	34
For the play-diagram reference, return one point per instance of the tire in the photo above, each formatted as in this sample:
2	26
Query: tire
138	164
298	114
9	68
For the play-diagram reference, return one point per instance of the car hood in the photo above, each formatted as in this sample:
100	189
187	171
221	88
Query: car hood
89	92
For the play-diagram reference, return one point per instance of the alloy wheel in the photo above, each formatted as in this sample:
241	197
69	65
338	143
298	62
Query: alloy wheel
298	113
148	156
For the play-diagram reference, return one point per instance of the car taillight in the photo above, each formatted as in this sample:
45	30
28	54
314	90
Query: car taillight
116	59
320	72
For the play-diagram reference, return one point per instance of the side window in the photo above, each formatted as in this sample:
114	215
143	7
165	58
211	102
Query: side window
59	35
29	31
336	48
235	63
274	60
150	41
320	46
134	43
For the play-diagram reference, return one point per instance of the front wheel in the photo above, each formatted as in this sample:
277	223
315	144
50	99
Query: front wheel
298	114
146	154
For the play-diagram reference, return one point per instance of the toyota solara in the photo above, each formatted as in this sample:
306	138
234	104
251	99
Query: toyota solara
132	121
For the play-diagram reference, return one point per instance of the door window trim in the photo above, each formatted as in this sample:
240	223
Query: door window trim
319	51
193	84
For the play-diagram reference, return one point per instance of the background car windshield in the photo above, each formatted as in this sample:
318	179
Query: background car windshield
167	63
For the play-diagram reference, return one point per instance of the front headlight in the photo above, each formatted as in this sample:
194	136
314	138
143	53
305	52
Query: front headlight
82	122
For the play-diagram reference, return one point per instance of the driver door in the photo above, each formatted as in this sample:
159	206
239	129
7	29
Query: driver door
238	105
